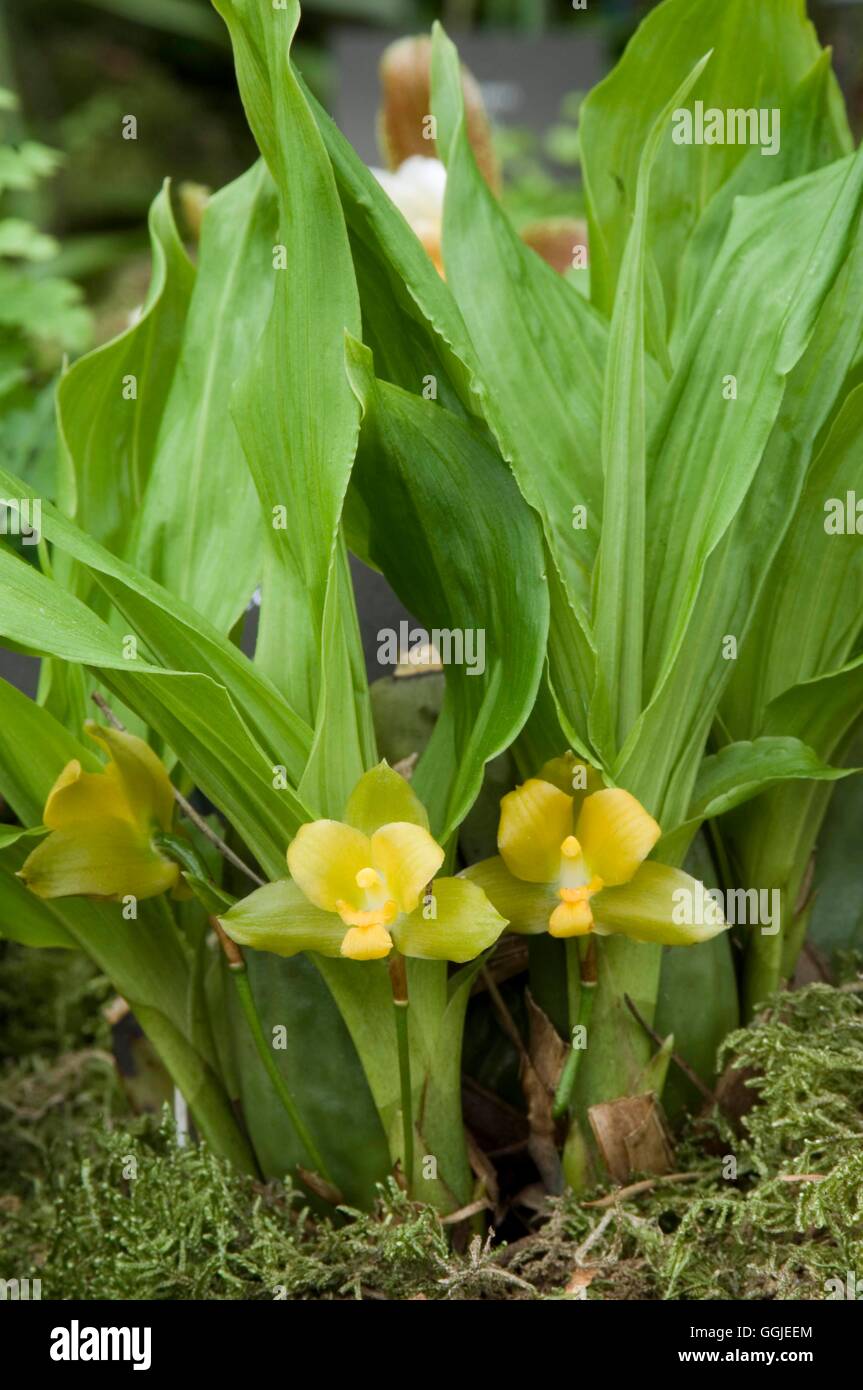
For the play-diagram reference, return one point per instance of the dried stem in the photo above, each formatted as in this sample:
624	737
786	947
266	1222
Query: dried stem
675	1056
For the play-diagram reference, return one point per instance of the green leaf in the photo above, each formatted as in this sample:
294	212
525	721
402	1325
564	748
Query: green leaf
742	770
694	498
803	630
211	898
298	420
821	710
207	1098
540	349
410	319
45	307
109	439
319	1063
450	531
706	974
180	638
836	921
23	166
618	609
761	52
764	338
811	137
19	238
193	713
11	834
773	837
208	506
439	1119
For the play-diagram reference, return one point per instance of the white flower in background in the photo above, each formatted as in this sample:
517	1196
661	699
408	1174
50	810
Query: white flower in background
417	188
416	179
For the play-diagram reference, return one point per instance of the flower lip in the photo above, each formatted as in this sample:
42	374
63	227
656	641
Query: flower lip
571	919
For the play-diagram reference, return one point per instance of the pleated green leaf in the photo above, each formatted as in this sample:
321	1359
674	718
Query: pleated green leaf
110	404
811	137
297	418
618	609
803	629
768	432
200	504
410	319
449	529
761	52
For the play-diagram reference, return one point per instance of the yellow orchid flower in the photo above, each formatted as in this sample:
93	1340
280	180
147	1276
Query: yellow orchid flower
575	861
102	824
357	887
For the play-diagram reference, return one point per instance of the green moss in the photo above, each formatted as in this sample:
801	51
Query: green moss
100	1205
771	1207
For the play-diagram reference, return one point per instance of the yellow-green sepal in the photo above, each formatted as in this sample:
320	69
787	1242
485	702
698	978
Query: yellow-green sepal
573	776
279	918
381	797
527	907
654	907
455	922
104	857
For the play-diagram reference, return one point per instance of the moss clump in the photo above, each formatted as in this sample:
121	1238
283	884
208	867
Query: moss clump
102	1206
131	1215
768	1207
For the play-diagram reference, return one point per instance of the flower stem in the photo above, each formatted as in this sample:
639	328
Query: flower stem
586	948
399	983
186	855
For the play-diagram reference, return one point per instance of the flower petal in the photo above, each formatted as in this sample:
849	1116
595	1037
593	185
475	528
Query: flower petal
380	797
77	797
464	924
145	784
535	819
653	906
104	857
527	907
324	858
280	918
615	833
408	858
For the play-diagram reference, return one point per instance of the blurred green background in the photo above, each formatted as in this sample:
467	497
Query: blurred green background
78	66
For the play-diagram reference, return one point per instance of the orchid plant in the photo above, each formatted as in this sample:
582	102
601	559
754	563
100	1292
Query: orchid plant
617	474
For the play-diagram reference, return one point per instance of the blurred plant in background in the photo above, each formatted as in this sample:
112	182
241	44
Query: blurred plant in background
42	314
